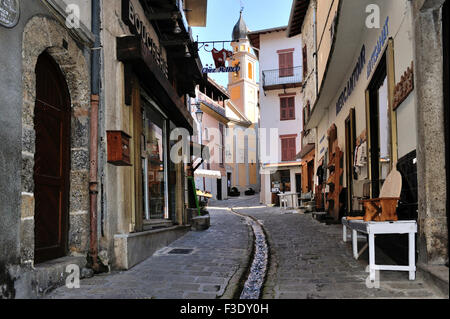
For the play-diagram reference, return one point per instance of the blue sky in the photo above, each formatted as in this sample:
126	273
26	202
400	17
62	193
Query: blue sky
223	15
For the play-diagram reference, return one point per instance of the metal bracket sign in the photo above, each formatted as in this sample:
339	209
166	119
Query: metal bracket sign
9	13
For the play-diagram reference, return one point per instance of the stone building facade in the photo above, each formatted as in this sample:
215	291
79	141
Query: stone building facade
42	34
70	83
146	85
399	65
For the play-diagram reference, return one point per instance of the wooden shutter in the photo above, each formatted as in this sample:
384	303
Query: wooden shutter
283	109
288	149
292	150
291	108
286	64
282	64
287	108
289	64
284	149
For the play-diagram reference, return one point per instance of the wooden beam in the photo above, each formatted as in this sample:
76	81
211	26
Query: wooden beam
131	50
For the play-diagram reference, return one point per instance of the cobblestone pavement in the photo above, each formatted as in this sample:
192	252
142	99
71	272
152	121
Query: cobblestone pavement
213	270
309	260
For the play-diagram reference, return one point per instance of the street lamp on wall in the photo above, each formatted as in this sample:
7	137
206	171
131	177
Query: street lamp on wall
199	114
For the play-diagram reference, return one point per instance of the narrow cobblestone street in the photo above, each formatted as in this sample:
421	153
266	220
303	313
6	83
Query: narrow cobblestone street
308	260
211	270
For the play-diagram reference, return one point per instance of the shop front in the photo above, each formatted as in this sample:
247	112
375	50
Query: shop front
366	126
280	178
145	188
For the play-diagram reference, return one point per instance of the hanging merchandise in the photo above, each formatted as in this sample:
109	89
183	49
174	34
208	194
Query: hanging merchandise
220	57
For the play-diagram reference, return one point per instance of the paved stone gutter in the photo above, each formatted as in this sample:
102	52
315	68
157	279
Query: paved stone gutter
256	273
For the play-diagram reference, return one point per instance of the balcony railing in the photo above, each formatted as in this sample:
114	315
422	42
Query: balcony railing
279	78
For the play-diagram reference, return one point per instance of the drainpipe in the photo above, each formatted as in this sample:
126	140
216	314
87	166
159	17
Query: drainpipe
316	72
93	174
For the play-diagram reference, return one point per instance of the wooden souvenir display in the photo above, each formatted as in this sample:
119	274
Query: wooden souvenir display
384	208
333	204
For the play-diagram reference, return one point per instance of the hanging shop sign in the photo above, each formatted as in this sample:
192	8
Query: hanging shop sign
220	57
351	83
134	18
9	13
378	48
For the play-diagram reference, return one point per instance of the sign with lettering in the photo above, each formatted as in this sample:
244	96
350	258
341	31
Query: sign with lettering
133	16
378	47
223	69
9	13
351	84
404	87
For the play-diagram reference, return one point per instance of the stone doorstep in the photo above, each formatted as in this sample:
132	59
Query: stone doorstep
436	276
52	274
131	249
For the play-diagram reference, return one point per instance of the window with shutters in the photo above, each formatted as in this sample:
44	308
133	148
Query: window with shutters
305	62
286	64
288	149
287	108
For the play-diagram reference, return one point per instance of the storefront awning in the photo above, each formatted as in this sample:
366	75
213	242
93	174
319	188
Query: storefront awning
208	173
286	164
131	51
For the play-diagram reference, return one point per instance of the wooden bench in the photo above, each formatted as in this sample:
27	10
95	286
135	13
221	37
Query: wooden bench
377	228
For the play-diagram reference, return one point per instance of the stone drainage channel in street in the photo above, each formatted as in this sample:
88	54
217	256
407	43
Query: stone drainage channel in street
256	276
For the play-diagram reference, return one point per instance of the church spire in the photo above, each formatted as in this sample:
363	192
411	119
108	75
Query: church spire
240	30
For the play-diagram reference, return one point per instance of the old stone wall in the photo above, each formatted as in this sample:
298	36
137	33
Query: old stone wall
39	29
432	184
44	34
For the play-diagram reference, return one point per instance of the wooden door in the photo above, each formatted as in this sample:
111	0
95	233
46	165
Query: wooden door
350	145
219	189
52	160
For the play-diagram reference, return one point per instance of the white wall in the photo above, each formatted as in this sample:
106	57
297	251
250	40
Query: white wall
270	100
400	28
272	42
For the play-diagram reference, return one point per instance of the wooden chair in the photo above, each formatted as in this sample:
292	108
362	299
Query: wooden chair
385	207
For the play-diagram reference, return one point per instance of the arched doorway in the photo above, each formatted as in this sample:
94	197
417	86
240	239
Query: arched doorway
52	160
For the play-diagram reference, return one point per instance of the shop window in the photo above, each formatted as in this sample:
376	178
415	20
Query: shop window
154	164
287	108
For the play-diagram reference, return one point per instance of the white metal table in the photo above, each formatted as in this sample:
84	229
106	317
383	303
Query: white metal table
283	199
375	228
